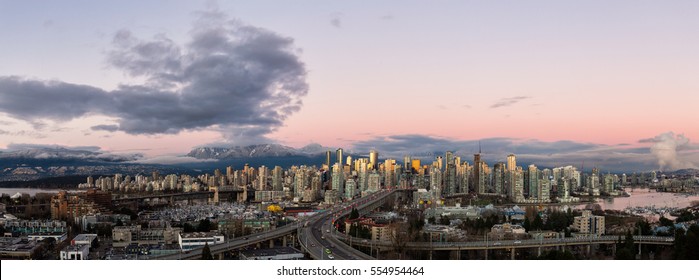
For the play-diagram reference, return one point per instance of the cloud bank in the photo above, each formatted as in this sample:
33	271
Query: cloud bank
615	158
241	80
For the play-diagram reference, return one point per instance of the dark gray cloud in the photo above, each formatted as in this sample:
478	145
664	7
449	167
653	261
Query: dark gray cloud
39	151
236	78
105	127
542	153
508	101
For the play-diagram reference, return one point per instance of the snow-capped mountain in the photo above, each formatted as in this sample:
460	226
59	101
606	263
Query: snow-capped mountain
255	151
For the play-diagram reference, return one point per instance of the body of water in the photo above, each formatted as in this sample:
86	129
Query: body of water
645	197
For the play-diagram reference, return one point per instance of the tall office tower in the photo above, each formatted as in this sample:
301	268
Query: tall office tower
517	184
511	162
415	166
374	181
499	177
362	176
407	163
277	174
350	188
339	155
328	157
229	172
439	162
217	174
482	183
338	180
464	174
623	180
316	184
449	158
389	169
608	183
349	162
477	172
118	179
457	161
262	175
435	178
546	174
533	178
374	159
544	190
299	182
450	183
563	188
156	176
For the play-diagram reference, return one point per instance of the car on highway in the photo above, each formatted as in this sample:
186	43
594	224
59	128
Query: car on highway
518	241
313	244
327	230
327	251
331	257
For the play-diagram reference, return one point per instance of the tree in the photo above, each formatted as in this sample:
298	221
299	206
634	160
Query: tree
205	226
444	220
526	224
538	223
665	222
206	252
432	220
557	255
624	251
644	227
354	214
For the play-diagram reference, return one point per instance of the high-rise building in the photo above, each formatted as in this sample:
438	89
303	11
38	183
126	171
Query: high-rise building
374	181
277	183
511	162
407	163
338	180
339	155
478	179
499	177
350	188
435	178
516	184
389	172
415	166
374	159
328	157
533	179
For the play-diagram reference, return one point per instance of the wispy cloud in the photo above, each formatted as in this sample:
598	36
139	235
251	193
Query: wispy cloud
508	101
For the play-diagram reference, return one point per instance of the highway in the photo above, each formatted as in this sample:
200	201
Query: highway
316	238
506	244
307	236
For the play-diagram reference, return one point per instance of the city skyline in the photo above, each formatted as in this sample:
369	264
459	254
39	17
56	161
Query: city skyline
559	82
